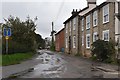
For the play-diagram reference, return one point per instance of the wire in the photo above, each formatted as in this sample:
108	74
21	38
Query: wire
59	10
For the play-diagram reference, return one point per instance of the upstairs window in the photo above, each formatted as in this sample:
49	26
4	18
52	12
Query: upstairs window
66	28
88	22
82	24
95	21
106	14
70	27
74	24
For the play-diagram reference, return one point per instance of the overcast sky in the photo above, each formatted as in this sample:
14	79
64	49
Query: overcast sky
46	11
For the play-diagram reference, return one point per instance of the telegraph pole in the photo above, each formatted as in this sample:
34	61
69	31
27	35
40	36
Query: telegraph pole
52	34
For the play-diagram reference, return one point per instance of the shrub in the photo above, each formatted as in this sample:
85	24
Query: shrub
104	50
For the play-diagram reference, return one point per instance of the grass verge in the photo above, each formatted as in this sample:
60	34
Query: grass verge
15	58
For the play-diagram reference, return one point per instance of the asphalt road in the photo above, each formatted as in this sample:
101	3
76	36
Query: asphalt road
58	65
49	64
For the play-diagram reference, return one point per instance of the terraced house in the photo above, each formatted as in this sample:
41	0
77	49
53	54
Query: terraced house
94	22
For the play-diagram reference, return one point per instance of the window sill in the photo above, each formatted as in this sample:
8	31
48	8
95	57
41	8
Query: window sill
88	29
88	48
94	26
106	22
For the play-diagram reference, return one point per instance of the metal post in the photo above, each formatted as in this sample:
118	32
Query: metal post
6	46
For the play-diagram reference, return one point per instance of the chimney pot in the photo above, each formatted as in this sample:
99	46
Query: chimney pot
91	2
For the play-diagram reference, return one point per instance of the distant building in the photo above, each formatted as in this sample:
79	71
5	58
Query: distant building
59	40
47	42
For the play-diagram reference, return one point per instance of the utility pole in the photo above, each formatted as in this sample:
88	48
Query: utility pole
52	34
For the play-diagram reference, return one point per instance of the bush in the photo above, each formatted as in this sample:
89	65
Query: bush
104	50
93	58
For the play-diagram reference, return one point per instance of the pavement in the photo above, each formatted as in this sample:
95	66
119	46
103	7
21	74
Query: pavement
23	66
60	65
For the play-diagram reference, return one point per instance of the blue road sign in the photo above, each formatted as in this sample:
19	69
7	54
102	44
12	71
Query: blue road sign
7	32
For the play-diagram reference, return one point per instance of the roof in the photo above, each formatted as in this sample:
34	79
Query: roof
75	15
97	7
59	31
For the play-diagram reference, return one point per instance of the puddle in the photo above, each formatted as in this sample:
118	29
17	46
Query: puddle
51	65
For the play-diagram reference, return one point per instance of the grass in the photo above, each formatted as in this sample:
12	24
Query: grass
14	58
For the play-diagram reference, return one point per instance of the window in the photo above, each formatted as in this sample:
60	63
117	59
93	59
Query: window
88	41
66	43
82	40
106	14
74	41
95	18
74	23
88	22
70	28
95	36
106	35
66	28
82	24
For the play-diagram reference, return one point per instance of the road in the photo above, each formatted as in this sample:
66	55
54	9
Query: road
58	65
49	64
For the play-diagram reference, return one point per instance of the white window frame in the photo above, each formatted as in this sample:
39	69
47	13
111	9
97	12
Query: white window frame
82	24
95	18
106	13
66	42
88	22
104	35
74	23
82	40
74	41
87	45
95	36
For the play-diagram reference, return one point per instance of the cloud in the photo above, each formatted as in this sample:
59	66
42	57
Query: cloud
46	11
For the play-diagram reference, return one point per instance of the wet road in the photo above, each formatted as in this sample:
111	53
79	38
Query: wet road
51	66
54	65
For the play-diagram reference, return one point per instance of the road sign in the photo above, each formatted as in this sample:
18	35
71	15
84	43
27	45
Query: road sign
6	37
7	32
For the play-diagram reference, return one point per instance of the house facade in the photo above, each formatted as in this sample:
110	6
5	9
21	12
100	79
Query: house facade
72	29
59	40
98	22
71	35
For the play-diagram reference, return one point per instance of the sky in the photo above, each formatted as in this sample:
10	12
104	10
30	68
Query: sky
47	11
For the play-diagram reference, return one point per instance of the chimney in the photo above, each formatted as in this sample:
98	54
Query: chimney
74	11
110	0
91	3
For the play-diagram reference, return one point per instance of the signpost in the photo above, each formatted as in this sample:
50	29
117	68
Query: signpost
7	34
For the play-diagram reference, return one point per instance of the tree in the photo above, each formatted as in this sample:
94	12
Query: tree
103	50
40	41
23	34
